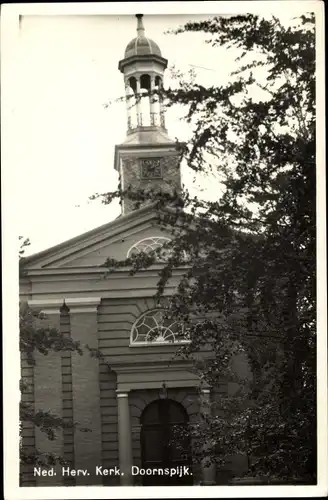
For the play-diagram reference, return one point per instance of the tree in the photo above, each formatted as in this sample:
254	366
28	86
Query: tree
250	282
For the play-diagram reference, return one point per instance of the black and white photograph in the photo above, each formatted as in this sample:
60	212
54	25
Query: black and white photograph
164	253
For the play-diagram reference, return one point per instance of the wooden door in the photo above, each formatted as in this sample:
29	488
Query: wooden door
165	443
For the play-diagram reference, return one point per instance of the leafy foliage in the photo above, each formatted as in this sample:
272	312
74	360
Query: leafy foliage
250	285
43	339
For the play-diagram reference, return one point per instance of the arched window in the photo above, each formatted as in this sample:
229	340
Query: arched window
133	83
145	100
155	99
131	88
145	82
152	327
158	81
149	245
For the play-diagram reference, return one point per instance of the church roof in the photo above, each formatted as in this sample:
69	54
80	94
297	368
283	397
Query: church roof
100	233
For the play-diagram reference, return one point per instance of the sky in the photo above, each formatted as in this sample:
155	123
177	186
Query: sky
66	70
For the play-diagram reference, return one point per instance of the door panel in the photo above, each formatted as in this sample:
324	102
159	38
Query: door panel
152	444
162	444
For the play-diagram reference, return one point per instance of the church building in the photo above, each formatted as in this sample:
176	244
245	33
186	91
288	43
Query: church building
126	403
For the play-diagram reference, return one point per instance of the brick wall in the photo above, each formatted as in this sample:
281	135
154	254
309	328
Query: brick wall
28	430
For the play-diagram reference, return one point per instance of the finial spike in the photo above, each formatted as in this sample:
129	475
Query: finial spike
140	26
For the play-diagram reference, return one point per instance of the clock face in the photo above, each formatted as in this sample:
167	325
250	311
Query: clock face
151	168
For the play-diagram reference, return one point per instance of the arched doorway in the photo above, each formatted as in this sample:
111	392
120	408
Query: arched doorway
165	443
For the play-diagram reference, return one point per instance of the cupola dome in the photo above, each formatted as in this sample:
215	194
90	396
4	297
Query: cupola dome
141	45
143	68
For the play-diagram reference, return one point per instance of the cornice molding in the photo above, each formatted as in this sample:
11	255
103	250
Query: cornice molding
83	304
96	271
76	305
172	365
48	306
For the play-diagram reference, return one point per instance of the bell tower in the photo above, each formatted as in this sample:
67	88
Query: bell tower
148	158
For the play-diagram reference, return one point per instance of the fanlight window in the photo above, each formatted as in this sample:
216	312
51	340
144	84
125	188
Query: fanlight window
153	328
149	245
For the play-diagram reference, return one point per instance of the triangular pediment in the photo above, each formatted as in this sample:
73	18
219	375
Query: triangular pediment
91	249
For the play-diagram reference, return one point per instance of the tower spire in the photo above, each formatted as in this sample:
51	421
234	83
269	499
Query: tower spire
147	159
140	26
143	68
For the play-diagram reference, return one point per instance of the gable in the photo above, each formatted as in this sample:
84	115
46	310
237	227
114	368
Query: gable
91	249
115	247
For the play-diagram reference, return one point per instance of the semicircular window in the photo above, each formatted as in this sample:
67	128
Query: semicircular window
152	327
149	245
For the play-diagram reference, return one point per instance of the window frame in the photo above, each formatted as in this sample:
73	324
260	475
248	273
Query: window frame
135	245
146	343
